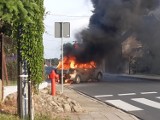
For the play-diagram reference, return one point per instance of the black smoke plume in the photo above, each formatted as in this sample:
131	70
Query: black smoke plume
115	20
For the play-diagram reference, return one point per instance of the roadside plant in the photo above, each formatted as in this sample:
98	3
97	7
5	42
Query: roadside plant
23	22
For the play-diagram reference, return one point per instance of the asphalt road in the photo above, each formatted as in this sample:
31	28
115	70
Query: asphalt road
137	96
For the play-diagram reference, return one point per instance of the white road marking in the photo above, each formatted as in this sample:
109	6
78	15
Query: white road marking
127	94
147	102
100	96
158	97
143	93
123	105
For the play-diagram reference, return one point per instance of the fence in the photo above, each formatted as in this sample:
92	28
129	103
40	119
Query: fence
9	61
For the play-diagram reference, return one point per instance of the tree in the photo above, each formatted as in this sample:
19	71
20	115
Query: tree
23	22
55	61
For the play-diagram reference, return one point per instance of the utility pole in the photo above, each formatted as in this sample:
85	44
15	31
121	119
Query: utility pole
19	83
23	85
24	78
24	99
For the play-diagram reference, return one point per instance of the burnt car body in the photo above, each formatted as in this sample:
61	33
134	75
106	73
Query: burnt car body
81	75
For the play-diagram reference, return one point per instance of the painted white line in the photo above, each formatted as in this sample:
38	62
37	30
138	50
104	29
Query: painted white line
123	105
100	96
143	93
127	94
147	102
158	97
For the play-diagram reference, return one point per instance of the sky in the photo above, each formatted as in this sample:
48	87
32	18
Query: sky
77	12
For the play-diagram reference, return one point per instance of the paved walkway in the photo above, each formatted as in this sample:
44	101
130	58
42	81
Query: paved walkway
11	89
94	110
147	77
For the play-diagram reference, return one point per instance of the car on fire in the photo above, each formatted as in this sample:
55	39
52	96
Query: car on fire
77	71
81	75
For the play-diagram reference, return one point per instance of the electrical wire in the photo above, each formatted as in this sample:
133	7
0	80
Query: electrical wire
66	15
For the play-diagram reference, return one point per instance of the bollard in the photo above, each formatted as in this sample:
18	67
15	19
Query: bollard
52	76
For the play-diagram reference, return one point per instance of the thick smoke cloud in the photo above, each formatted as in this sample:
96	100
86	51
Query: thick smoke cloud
115	20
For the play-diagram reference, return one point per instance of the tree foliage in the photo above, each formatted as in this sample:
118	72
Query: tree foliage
53	61
23	21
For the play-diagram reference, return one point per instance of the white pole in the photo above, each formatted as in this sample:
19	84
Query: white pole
62	56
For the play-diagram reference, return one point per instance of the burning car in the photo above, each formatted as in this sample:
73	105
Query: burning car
78	72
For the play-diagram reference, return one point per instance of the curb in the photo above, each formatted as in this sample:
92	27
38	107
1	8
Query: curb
147	77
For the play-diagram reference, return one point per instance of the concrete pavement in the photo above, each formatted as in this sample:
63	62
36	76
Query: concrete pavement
147	77
138	76
11	89
94	109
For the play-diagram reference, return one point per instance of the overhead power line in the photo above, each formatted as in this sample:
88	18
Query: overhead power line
59	15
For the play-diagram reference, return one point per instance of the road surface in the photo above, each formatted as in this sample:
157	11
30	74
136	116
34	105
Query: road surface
137	96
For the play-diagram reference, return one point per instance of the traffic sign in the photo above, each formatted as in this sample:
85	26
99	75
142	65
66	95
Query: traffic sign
62	29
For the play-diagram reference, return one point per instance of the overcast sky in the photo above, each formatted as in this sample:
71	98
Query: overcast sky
77	12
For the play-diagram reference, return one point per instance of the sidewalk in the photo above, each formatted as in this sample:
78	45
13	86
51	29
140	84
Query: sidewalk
11	89
94	109
138	76
147	77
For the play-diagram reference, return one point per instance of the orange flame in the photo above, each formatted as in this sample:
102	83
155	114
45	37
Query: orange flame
70	62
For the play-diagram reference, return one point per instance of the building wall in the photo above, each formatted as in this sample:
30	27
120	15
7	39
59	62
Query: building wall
113	61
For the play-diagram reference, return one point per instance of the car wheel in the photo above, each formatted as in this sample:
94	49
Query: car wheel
99	76
77	79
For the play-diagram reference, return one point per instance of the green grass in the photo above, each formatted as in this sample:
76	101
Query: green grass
42	117
8	117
